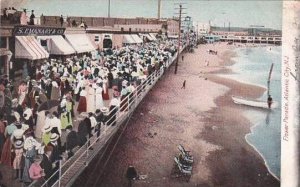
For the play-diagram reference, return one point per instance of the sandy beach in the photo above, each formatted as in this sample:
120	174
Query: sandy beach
201	117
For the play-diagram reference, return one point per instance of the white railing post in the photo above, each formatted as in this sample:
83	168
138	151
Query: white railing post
105	126
87	150
59	178
128	103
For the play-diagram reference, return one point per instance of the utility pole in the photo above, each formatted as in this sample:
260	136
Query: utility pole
108	12
158	9
178	48
197	34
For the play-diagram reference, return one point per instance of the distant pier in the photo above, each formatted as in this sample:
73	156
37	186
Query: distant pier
253	39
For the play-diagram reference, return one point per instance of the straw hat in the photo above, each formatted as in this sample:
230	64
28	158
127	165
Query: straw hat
27	113
29	143
18	144
104	109
47	128
54	137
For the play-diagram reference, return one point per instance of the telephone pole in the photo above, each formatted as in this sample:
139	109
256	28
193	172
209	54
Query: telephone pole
179	38
108	12
158	9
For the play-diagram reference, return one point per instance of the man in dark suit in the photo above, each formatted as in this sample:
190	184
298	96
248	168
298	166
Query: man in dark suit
46	163
89	128
99	119
82	132
71	141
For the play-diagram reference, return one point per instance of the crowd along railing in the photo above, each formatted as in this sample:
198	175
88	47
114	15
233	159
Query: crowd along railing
123	112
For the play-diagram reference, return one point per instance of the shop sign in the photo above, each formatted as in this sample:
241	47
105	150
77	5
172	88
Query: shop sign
39	31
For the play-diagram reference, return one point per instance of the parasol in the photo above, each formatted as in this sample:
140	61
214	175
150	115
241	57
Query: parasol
48	105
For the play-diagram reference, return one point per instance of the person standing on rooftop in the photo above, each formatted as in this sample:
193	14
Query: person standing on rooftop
61	20
31	21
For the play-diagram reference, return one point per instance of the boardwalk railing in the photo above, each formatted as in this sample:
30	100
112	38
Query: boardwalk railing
70	169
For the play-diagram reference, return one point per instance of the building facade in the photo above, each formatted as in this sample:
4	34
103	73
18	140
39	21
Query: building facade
187	24
172	27
139	27
202	28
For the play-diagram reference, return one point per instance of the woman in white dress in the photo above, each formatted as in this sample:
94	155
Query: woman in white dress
91	104
41	117
105	94
99	99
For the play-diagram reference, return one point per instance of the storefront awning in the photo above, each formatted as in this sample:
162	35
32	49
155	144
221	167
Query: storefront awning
57	45
80	42
152	35
136	38
173	36
27	47
148	37
127	39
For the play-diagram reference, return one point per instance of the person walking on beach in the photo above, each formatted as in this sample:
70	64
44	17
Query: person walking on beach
182	58
270	101
183	84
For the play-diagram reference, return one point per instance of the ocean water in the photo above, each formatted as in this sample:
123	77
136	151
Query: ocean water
252	66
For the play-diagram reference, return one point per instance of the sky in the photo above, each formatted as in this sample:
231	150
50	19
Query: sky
238	12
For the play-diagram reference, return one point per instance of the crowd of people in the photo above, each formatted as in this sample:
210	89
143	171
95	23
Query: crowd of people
61	104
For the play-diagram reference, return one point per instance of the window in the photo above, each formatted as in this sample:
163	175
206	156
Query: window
96	38
44	43
107	43
3	43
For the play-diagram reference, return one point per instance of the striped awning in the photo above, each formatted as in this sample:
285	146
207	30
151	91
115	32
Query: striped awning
57	45
80	42
27	47
153	36
136	38
127	39
149	38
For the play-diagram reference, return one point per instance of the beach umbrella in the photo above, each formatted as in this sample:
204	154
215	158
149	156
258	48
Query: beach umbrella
48	105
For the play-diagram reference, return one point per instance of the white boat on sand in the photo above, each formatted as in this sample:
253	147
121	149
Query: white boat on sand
253	102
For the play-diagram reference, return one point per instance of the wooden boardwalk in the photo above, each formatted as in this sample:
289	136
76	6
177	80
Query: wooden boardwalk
73	167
